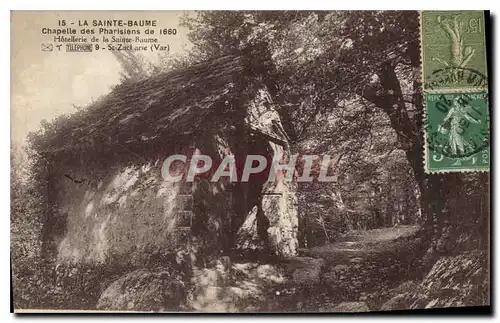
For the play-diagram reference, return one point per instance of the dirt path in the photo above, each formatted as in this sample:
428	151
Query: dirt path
360	263
324	278
367	241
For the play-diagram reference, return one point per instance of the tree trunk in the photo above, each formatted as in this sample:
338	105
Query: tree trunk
439	192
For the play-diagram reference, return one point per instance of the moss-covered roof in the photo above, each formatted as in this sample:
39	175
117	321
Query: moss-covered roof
176	103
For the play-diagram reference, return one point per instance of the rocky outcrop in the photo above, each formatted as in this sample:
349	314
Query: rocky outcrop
280	208
461	280
278	204
159	289
453	281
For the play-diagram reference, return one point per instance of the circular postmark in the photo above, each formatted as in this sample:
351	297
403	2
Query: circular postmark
456	77
457	124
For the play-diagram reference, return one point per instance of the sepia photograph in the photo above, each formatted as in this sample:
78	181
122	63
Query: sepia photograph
250	161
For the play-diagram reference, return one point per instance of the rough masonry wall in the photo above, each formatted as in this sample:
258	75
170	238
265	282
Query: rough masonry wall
128	212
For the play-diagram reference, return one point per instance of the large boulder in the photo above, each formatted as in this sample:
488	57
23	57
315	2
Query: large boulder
281	211
453	281
279	199
461	280
158	289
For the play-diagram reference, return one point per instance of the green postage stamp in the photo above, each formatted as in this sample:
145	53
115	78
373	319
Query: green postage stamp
457	131
455	87
453	50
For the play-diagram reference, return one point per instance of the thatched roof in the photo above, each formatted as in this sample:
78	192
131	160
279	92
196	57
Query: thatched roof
177	103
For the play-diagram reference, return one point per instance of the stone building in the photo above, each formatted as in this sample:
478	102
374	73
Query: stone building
106	196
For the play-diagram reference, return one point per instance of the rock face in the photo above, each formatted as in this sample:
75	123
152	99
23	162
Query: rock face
274	223
457	281
452	282
279	212
280	208
355	307
144	290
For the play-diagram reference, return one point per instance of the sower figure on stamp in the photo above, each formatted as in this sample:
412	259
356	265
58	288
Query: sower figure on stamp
455	123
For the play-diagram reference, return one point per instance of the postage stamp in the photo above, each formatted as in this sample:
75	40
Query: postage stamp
455	86
453	50
457	134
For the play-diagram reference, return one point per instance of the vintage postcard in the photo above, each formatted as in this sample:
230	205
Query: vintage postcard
250	161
